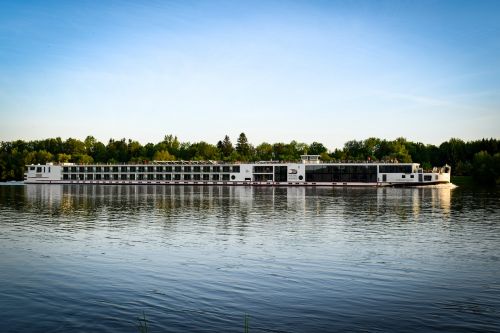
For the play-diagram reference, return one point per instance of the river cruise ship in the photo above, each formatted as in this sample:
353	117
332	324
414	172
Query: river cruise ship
309	172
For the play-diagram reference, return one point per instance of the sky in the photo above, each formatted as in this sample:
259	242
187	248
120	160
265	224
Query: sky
326	71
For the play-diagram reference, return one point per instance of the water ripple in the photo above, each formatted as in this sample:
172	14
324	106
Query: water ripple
93	258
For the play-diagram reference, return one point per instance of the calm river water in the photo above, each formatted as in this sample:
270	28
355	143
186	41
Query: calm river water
198	259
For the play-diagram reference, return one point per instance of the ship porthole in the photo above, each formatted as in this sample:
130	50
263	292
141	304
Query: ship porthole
301	177
233	177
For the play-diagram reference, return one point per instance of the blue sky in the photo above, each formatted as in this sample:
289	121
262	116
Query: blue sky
323	71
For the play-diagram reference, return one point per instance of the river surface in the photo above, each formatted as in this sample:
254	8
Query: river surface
199	259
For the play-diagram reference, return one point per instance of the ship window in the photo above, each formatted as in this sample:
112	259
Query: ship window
263	177
132	169
132	177
187	177
187	169
33	168
115	169
236	168
159	169
80	176
395	168
263	169
141	169
341	173
106	169
215	177
39	169
403	176
177	177
225	169
98	177
106	176
196	169
427	178
225	176
206	177
216	169
168	177
115	177
177	169
123	176
412	176
280	173
90	177
168	169
150	176
206	169
197	176
81	169
140	177
73	176
124	169
98	169
159	176
301	177
65	176
150	169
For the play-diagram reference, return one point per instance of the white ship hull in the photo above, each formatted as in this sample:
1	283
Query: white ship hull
250	174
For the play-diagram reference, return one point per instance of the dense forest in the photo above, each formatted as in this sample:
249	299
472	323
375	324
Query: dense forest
480	158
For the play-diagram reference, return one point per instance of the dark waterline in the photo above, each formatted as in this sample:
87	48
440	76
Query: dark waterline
197	259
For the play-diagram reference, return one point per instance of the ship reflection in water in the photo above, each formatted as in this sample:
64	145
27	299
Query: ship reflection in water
405	202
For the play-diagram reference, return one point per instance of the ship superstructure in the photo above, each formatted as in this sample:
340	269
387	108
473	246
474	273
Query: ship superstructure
309	172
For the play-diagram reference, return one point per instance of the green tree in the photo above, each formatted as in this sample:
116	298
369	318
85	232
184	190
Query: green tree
41	157
480	158
394	150
264	152
149	151
354	150
63	158
370	148
486	168
136	151
172	144
73	146
298	149
117	151
325	157
205	151
280	151
163	155
95	149
82	159
225	147
400	153
186	152
243	148
453	151
316	148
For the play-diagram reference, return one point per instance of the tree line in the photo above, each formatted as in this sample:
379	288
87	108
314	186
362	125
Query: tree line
479	158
